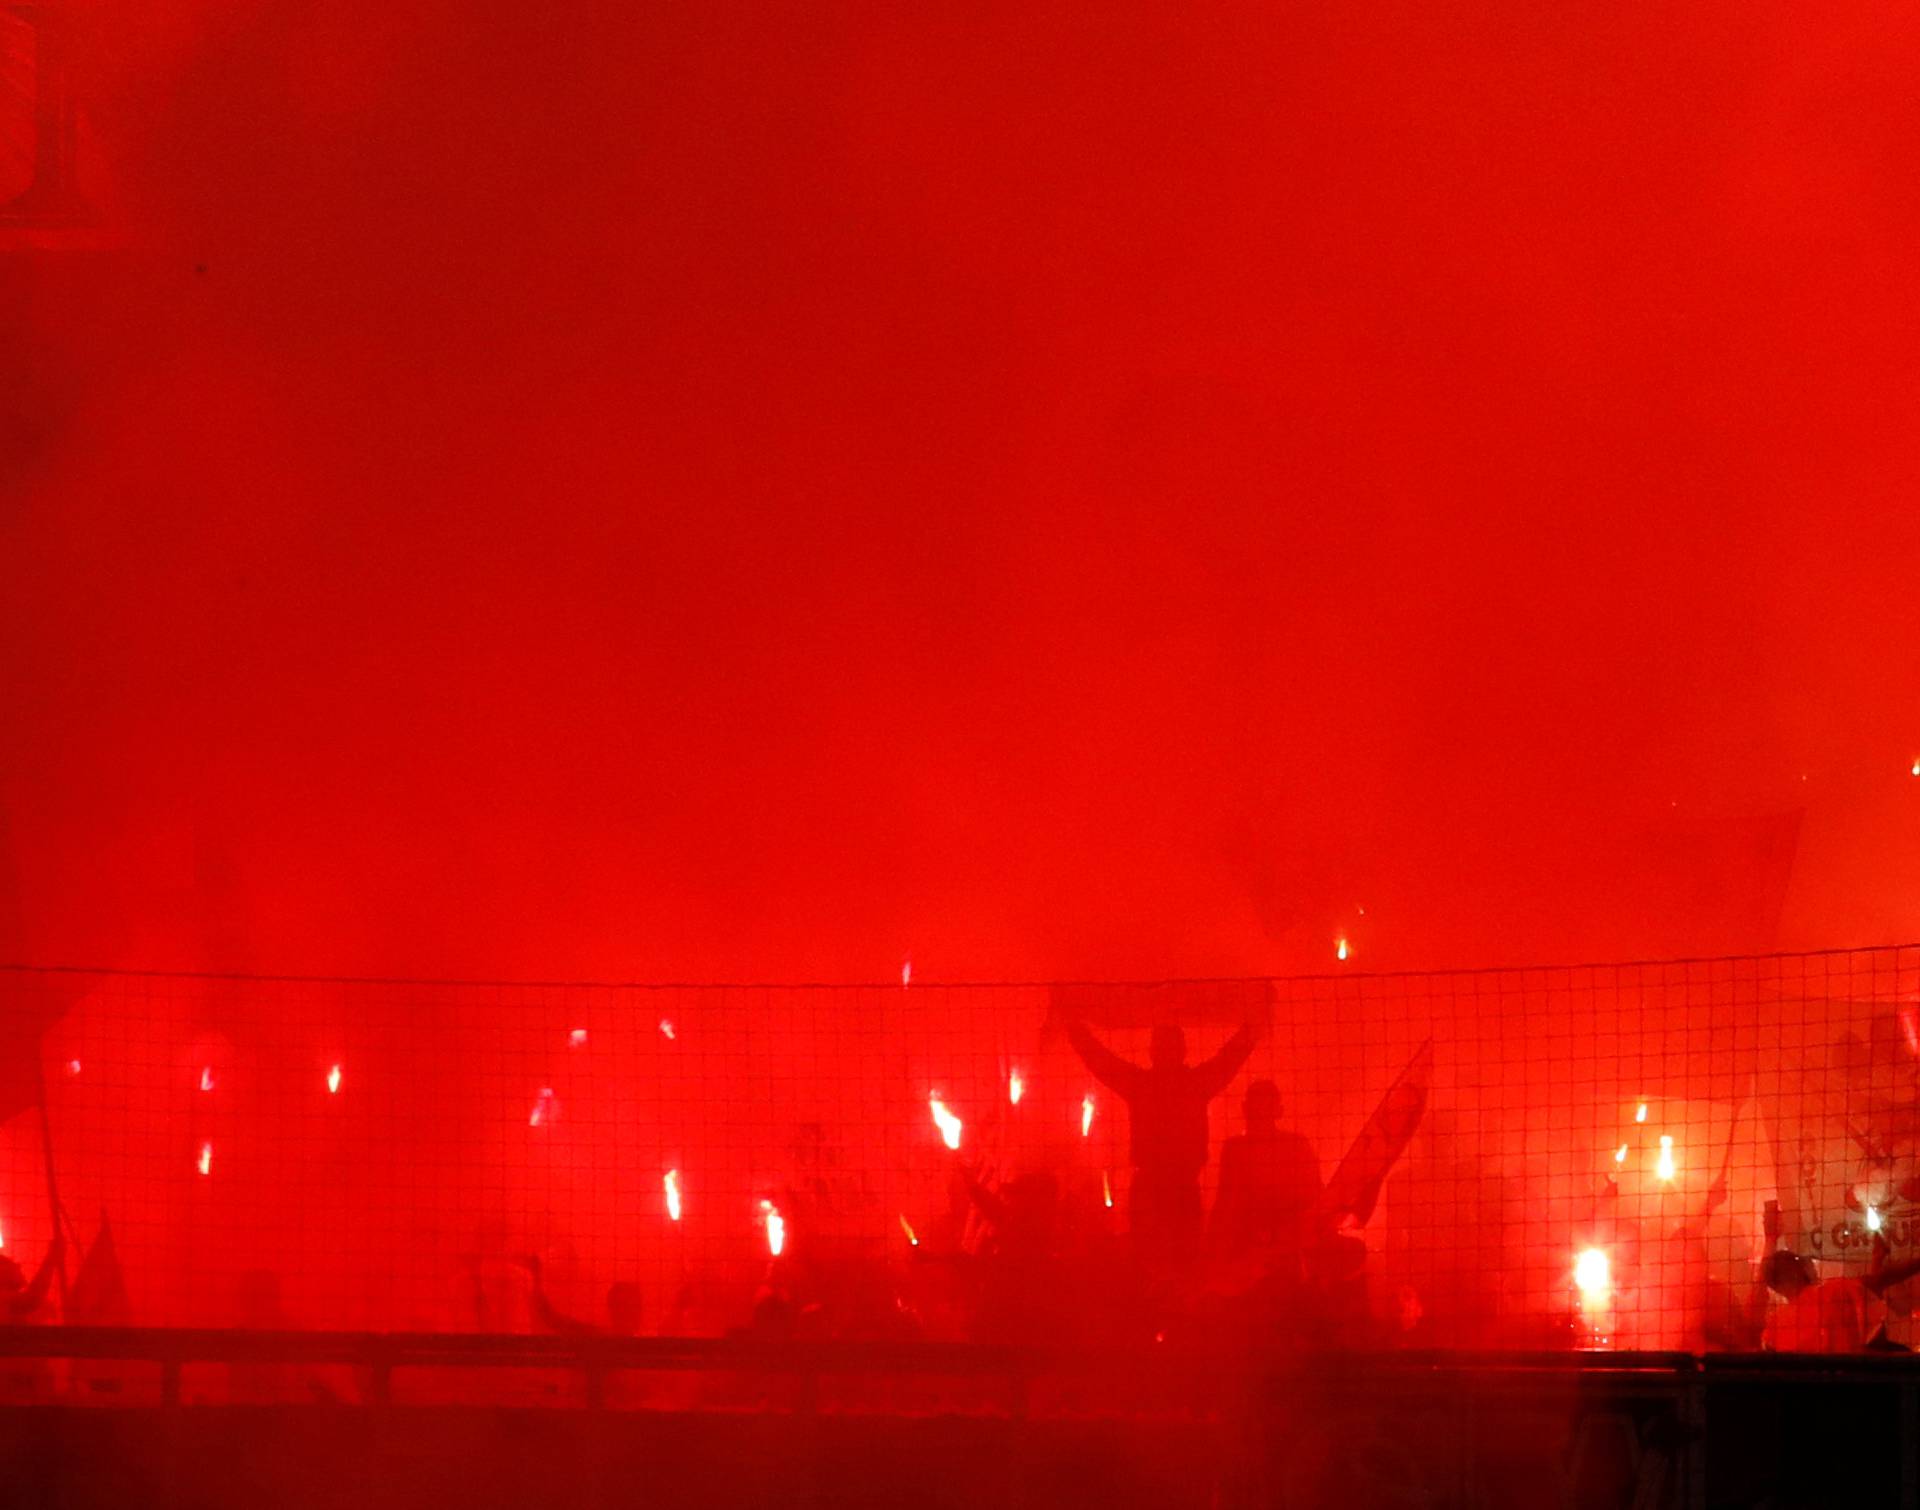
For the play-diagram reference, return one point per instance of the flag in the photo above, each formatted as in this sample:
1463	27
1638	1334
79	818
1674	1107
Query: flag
99	1293
1355	1186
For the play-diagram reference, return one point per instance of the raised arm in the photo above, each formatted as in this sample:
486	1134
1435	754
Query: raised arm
1108	1068
1215	1074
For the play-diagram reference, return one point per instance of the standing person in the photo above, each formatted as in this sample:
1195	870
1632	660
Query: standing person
1167	1128
1269	1182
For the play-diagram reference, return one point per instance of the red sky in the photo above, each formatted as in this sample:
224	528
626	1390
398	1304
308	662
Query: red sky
763	490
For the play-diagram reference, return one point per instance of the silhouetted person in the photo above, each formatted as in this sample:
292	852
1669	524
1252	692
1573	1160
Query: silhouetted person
1841	1315
1024	1294
1167	1127
1269	1181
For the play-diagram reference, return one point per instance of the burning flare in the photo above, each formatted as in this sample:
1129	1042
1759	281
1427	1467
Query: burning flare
206	1158
1640	1112
206	1077
907	1227
1620	1154
1340	949
1086	1115
1106	1189
544	1106
333	1081
73	1066
1664	1168
1873	1219
945	1120
666	1030
1016	1087
672	1182
776	1227
577	1039
1592	1274
906	973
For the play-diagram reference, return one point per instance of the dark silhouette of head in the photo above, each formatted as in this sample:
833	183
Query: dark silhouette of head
1263	1106
1787	1274
1169	1047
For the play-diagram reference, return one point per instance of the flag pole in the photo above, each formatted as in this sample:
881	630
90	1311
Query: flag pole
54	1205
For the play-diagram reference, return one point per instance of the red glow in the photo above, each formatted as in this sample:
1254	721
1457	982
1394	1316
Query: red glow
776	1228
1016	1087
1086	1115
333	1081
206	1077
73	1066
906	974
672	1183
666	1029
544	1108
206	1158
1340	950
577	1039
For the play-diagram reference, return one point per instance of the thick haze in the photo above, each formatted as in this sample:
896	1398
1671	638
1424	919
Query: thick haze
742	491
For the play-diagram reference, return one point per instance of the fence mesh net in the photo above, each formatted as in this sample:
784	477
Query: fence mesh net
1581	1156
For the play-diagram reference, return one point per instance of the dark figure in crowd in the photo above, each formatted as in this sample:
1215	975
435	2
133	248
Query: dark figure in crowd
623	1308
1846	1314
1023	1292
1269	1181
1167	1127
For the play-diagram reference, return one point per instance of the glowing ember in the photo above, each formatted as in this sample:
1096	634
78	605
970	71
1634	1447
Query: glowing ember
672	1182
206	1077
906	973
907	1227
776	1227
945	1120
1340	949
1086	1116
206	1158
577	1039
1640	1114
1664	1168
1620	1154
73	1066
1106	1189
1016	1087
666	1029
544	1107
1592	1274
333	1081
1873	1219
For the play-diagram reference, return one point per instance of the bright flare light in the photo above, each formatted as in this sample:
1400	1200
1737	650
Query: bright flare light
666	1030
1620	1154
1086	1116
1873	1219
1916	768
544	1107
1340	949
1106	1189
776	1227
577	1039
906	973
73	1066
1640	1113
907	1227
333	1081
1592	1274
206	1158
206	1077
945	1120
1664	1168
1016	1087
672	1183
